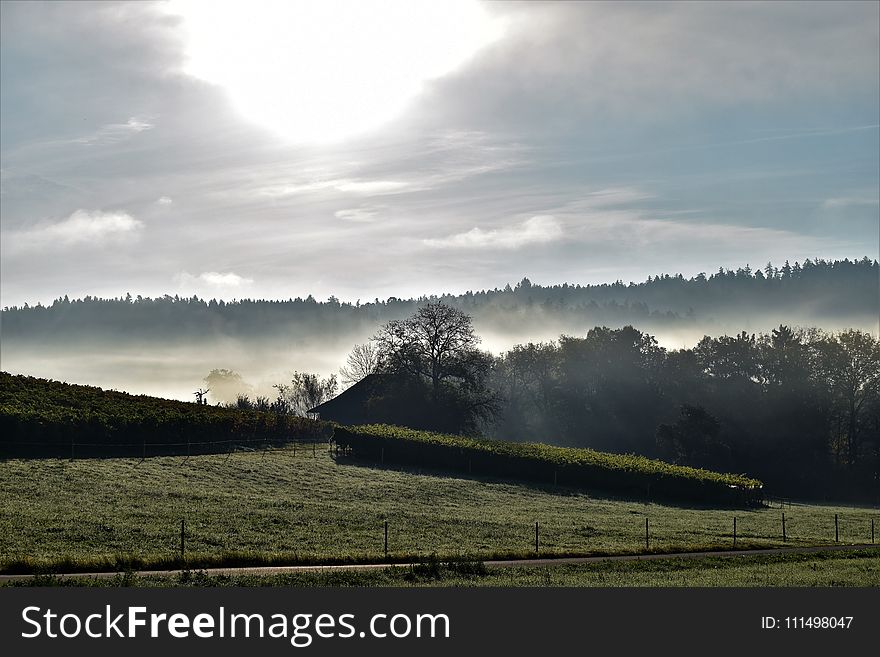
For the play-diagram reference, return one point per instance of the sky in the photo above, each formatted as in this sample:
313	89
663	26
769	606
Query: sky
361	150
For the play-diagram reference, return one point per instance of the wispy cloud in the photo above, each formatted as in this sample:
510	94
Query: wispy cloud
345	185
362	214
164	200
371	186
537	230
81	228
114	132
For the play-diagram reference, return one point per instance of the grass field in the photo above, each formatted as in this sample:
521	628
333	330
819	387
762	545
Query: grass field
274	507
821	569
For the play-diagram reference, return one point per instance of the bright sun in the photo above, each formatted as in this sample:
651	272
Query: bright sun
322	71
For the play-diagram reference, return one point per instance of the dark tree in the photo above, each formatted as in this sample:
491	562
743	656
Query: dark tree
693	439
436	350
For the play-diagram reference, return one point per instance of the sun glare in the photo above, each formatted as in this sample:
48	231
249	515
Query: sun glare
319	71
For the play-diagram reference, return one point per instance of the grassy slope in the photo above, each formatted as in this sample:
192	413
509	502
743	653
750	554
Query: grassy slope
40	414
277	507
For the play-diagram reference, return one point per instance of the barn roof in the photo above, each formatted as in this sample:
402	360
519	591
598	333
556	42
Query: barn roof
349	406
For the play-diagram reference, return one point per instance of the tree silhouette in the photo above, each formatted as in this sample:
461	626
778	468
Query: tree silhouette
360	363
437	347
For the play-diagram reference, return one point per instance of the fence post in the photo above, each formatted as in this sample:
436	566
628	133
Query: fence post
144	453
554	477
734	531
836	532
872	530
784	538
536	536
71	449
382	455
386	538
646	534
314	449
182	540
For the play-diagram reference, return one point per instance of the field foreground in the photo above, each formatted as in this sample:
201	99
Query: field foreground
841	568
294	505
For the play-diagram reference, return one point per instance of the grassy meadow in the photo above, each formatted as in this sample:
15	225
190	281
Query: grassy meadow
284	507
839	568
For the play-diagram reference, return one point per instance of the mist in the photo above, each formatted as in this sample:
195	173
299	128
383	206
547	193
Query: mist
167	346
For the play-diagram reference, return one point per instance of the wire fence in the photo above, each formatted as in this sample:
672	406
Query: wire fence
322	533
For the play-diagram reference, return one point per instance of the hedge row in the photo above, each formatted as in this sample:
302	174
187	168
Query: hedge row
626	474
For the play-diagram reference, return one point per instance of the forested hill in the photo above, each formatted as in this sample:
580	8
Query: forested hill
834	294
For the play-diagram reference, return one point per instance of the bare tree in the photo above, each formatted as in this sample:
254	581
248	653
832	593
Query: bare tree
437	348
361	362
437	343
304	391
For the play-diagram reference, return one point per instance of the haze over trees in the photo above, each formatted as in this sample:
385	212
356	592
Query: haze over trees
833	294
799	409
103	341
226	385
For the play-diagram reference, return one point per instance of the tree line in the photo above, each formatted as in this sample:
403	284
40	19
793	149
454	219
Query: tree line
799	409
815	289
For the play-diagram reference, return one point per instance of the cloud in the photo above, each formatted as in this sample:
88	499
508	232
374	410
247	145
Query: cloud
210	283
362	214
537	230
370	186
83	228
164	200
652	60
227	279
846	201
353	186
114	132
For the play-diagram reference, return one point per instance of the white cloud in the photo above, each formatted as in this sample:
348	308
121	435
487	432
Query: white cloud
114	132
537	230
164	200
370	186
210	283
227	279
82	228
363	214
354	186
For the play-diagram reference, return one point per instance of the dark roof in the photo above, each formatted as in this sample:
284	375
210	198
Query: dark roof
349	406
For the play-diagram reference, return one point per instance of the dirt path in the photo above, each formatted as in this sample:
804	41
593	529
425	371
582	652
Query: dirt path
526	563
